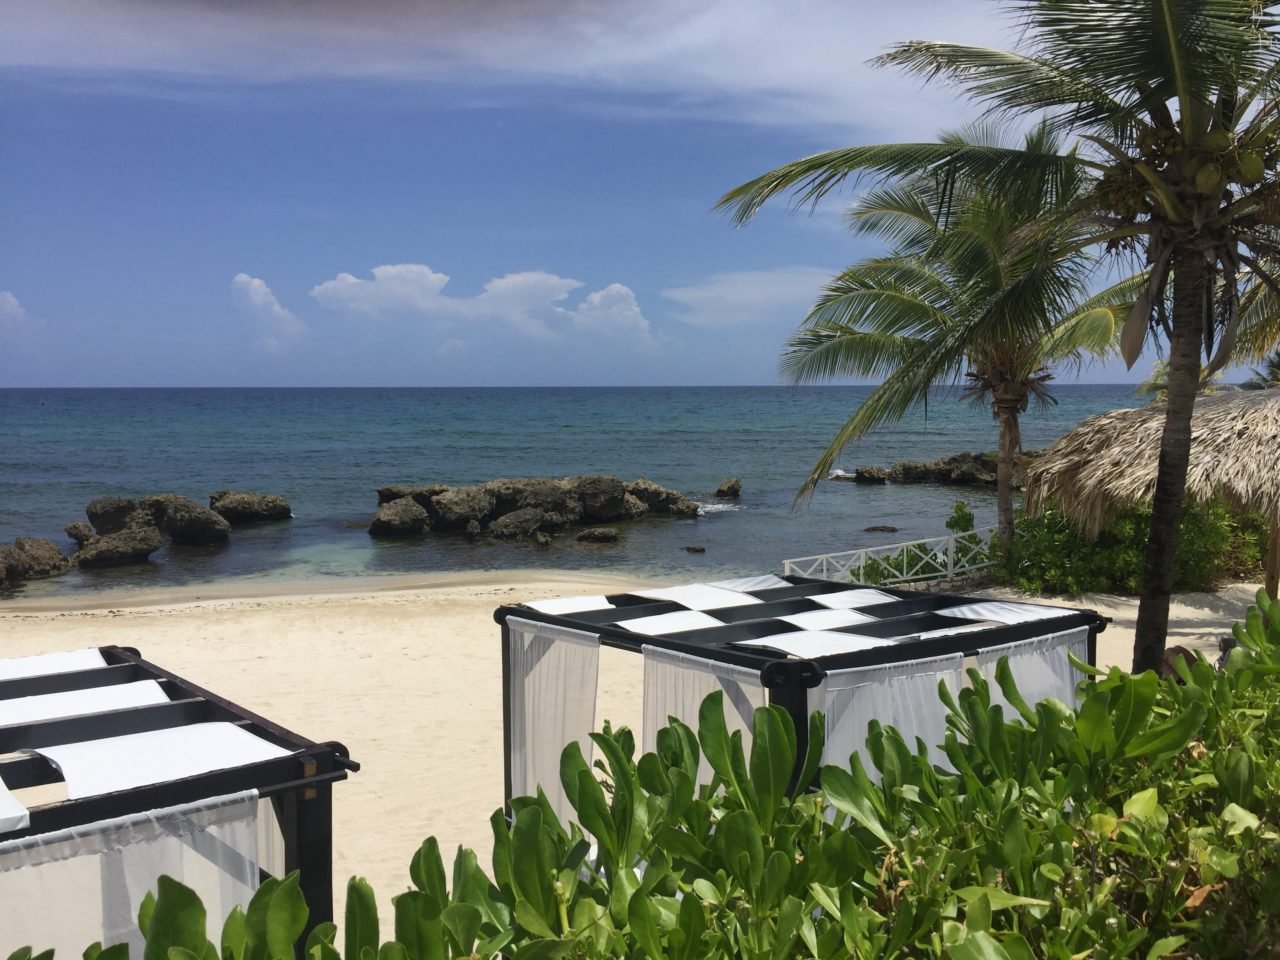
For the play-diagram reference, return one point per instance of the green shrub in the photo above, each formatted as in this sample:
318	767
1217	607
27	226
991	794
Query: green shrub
1145	824
1050	555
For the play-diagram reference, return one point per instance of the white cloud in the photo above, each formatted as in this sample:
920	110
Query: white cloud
613	310
753	298
531	302
280	327
11	311
802	62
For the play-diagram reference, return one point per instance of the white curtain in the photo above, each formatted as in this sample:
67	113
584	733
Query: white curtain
552	685
1040	667
901	695
675	684
68	889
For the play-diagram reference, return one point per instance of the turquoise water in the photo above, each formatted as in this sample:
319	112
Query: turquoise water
327	450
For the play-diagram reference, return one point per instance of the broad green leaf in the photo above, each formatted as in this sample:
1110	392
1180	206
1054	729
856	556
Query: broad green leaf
773	761
426	870
360	929
644	927
548	949
1093	724
812	754
146	910
392	951
530	873
1239	820
418	925
1133	706
1165	946
91	952
998	898
286	918
844	793
533	920
1143	804
463	921
177	921
977	914
1170	737
977	945
233	935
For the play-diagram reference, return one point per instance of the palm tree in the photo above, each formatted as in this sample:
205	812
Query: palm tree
1156	386
1175	104
897	315
1266	377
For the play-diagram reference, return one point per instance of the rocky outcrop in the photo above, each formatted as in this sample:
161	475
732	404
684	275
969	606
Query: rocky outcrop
880	528
133	544
518	524
962	469
37	559
529	508
730	489
112	514
243	508
458	506
79	531
404	517
659	499
601	496
598	535
186	522
863	475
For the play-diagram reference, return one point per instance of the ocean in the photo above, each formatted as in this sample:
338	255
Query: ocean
327	450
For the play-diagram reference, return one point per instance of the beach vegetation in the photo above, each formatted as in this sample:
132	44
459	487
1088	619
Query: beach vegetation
1051	555
1173	109
967	294
1145	823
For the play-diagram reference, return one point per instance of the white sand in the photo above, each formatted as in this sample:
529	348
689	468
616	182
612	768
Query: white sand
407	674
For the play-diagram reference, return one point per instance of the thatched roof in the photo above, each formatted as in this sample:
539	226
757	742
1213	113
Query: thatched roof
1109	461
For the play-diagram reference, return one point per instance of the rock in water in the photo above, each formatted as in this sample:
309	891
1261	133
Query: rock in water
133	544
457	506
399	518
185	521
659	499
601	496
872	475
693	549
39	558
880	528
79	531
518	524
599	535
633	508
112	514
239	509
731	488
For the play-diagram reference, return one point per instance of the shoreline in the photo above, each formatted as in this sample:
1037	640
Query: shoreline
265	589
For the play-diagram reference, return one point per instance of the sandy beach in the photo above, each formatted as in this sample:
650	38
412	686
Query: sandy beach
406	671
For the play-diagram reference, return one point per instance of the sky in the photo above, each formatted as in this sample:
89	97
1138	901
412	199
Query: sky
432	193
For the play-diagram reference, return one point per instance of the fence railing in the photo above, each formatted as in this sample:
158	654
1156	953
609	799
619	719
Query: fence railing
919	561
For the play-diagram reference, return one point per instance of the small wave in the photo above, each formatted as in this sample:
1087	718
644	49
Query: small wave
705	509
837	472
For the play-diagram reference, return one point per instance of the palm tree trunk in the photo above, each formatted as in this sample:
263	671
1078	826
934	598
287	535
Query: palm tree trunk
1190	281
1272	569
1008	418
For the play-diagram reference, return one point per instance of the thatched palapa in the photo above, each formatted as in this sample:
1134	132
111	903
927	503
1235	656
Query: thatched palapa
1109	462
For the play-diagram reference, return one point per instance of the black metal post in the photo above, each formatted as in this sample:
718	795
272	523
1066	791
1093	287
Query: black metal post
789	683
507	744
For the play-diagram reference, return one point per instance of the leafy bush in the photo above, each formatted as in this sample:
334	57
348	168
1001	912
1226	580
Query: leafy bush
1144	824
1050	555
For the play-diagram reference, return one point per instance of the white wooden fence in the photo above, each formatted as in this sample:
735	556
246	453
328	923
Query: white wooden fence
919	561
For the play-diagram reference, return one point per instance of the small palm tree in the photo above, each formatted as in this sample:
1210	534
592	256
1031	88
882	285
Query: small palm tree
1266	376
1156	386
970	296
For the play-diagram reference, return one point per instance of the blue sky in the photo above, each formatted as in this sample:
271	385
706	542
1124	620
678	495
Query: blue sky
503	192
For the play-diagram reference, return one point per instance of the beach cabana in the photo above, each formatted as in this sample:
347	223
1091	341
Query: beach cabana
114	771
1109	462
855	653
